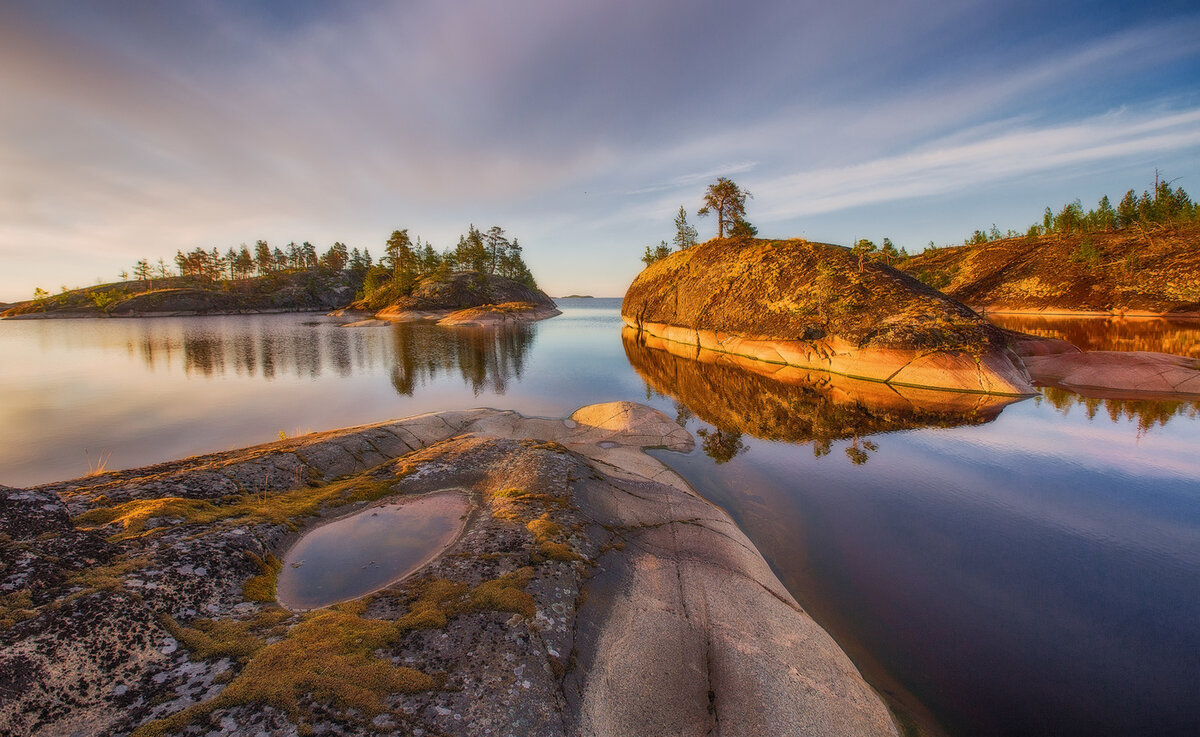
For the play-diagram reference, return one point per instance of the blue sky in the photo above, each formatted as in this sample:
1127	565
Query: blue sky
133	129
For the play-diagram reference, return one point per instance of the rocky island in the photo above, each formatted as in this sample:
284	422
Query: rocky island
144	601
296	291
468	298
815	306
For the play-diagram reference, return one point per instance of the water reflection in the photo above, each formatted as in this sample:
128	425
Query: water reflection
1180	336
784	403
1144	414
486	359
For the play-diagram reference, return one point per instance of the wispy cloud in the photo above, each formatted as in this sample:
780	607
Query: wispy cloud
936	169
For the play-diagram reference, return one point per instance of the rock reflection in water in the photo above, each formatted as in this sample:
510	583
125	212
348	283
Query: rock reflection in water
1180	336
774	402
416	353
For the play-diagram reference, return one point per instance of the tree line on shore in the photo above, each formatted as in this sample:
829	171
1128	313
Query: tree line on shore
1160	207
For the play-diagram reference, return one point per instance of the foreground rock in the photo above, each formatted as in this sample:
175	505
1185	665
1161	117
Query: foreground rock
591	592
463	298
810	306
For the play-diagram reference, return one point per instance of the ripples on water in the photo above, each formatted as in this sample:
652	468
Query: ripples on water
1026	568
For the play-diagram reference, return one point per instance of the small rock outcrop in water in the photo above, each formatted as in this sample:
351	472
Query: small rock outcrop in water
463	298
590	592
813	306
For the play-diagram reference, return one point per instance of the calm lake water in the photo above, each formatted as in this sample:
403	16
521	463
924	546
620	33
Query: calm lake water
1025	569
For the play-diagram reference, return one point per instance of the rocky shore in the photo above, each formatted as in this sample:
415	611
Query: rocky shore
590	592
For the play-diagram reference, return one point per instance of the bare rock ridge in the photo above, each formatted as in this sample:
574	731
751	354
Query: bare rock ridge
591	592
809	305
462	298
1139	270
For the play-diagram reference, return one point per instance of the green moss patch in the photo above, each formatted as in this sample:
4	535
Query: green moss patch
15	607
219	638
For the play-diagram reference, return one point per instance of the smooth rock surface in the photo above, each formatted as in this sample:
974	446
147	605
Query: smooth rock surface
1119	372
632	606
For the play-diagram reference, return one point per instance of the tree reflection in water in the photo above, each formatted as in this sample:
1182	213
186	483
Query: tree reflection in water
487	359
1146	414
1180	336
771	402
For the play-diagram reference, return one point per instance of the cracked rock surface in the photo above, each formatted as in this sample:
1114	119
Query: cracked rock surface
591	592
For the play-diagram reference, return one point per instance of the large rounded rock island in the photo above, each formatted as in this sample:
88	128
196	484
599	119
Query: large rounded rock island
815	306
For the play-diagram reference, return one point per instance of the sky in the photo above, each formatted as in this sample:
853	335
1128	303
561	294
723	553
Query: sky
135	129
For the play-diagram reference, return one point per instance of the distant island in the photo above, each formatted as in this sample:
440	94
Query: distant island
485	275
578	296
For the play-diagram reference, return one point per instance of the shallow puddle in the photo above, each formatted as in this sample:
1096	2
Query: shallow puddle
356	555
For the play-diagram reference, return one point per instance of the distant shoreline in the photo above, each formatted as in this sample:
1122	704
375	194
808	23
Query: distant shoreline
65	315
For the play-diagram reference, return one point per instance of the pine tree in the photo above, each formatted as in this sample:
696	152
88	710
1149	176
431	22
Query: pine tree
685	234
727	201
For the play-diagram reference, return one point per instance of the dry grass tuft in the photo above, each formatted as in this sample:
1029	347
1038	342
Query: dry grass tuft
328	658
285	507
262	586
505	594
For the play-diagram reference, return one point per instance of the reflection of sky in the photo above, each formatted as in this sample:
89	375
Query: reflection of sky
1038	574
71	386
363	552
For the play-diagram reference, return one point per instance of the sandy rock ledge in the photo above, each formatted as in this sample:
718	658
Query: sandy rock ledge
590	593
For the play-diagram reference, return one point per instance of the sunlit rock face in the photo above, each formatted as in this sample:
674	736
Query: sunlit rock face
778	402
813	306
589	591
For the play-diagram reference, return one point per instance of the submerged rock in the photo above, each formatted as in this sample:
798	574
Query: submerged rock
812	306
1119	373
590	592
